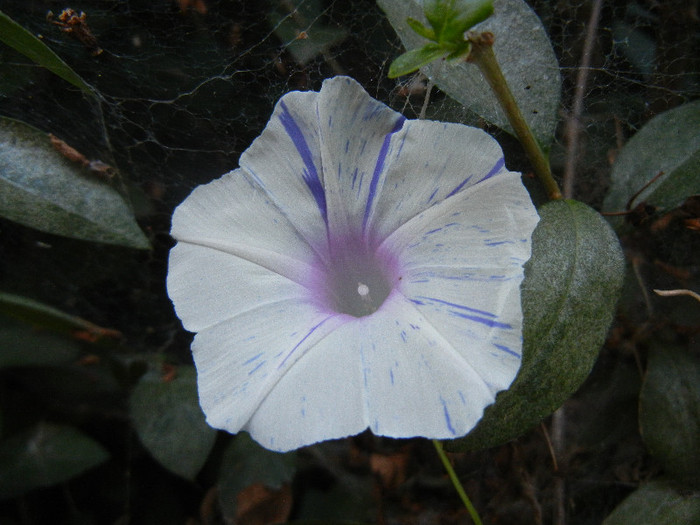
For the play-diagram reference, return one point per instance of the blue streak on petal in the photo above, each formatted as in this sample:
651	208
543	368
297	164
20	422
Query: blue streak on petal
470	316
258	366
310	174
496	168
448	421
253	358
507	350
378	167
459	186
302	340
460	306
497	243
487	322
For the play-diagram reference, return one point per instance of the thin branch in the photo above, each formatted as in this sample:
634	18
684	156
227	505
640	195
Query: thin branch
573	124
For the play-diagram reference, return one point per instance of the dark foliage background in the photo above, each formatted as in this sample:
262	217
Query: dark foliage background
184	87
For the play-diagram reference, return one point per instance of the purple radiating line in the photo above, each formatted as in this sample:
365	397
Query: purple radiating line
497	167
454	305
302	340
487	322
447	417
507	350
310	175
378	169
459	187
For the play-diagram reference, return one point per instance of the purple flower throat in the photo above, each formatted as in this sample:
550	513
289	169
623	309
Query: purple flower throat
356	279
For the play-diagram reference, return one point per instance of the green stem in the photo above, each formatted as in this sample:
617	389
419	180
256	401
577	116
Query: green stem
455	482
483	56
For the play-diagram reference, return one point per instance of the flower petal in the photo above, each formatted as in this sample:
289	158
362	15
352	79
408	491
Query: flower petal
462	268
240	361
428	162
235	251
285	163
391	372
356	132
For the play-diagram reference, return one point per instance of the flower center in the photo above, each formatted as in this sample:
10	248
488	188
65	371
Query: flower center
358	280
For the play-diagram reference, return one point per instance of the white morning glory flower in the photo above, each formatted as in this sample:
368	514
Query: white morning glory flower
359	270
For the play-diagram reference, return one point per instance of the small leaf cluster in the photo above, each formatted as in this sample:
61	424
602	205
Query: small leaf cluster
448	20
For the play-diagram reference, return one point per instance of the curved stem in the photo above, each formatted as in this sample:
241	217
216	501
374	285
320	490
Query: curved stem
455	482
483	56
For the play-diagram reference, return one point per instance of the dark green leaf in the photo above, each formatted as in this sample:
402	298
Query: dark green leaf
245	463
170	423
42	189
414	59
22	345
45	455
15	36
669	411
45	317
569	294
669	143
657	503
523	51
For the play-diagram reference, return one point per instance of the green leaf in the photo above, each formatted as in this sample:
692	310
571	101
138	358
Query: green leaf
524	53
170	423
657	503
668	143
451	18
18	38
410	61
46	317
21	345
45	455
419	28
669	411
245	463
571	286
41	189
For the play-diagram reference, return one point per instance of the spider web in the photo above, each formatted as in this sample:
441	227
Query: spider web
186	85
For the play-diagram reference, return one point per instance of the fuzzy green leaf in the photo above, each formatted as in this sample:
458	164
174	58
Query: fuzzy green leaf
414	59
23	346
170	423
569	294
524	53
18	38
44	317
45	455
668	143
657	503
669	411
41	189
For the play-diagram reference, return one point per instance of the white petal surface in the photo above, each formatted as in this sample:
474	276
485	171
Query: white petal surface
356	131
391	372
241	360
285	162
462	262
428	161
235	251
229	286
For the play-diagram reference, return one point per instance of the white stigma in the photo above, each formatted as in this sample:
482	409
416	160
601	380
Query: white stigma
363	290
